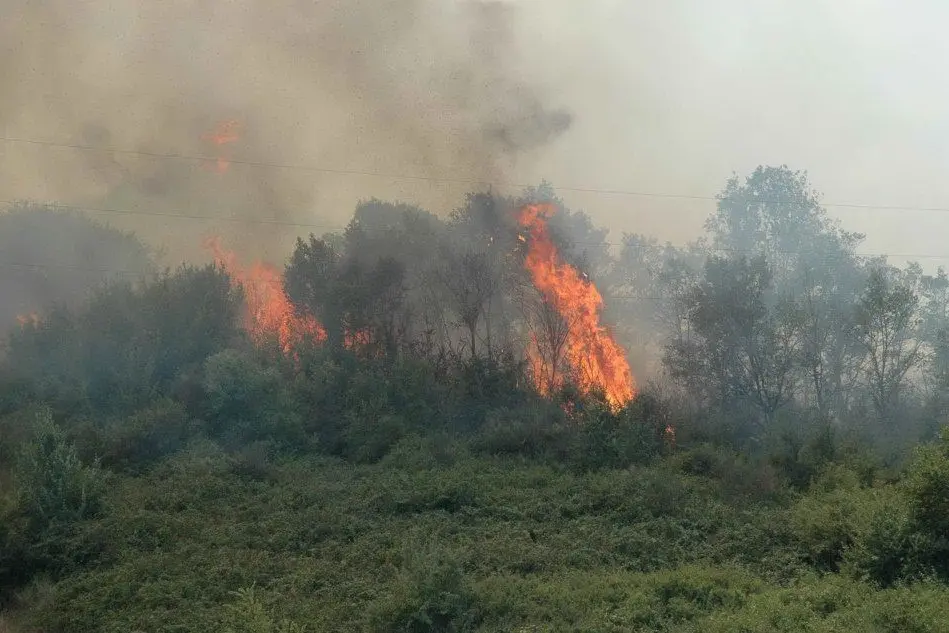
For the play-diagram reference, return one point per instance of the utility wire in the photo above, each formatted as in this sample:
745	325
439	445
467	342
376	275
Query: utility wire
336	227
447	180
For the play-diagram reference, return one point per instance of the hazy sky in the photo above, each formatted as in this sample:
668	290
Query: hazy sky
682	93
668	97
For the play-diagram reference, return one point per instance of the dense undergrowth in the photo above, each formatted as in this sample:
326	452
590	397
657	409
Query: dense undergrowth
161	474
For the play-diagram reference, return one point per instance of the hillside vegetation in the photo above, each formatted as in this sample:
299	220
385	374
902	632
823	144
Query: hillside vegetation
164	468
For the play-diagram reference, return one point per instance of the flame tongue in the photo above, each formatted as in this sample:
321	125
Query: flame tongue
595	359
226	132
269	312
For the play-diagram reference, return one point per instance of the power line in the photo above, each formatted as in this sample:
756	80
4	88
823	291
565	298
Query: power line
174	214
444	179
336	227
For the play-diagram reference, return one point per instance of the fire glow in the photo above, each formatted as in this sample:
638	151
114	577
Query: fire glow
595	359
269	312
28	320
224	134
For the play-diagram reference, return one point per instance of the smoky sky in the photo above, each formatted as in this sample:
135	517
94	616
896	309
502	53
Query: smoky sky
668	97
326	96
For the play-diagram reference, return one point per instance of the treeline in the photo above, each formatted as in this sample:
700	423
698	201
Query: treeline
771	318
771	323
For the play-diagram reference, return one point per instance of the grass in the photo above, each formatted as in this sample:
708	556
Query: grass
334	545
436	538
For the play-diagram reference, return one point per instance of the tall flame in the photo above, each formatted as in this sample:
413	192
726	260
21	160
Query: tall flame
223	134
269	312
595	359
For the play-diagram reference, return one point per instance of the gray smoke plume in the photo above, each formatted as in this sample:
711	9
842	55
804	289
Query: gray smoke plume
424	88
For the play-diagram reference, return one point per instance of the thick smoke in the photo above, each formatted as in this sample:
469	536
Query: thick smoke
432	89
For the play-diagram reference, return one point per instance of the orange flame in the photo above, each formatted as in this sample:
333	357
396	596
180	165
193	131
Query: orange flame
595	358
28	320
269	312
358	339
669	437
223	134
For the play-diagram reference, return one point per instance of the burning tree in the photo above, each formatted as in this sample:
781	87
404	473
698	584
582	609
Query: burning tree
269	313
594	358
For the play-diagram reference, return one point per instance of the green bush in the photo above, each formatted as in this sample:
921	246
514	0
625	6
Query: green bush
800	455
531	431
927	485
15	564
826	520
248	614
431	595
741	478
481	386
359	409
604	439
420	452
835	604
53	486
247	401
48	528
884	549
132	443
16	429
369	438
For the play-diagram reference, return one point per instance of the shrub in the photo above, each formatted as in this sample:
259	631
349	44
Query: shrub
825	522
800	456
133	443
48	529
927	486
884	549
53	485
14	559
431	595
248	614
741	478
483	385
368	439
605	439
361	408
423	452
530	431
247	401
253	461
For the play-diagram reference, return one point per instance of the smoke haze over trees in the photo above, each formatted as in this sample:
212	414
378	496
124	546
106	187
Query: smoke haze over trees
773	314
789	379
452	316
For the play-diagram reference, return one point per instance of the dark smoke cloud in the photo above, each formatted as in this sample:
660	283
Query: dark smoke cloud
428	88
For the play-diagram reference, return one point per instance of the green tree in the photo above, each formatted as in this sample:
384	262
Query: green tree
471	281
885	325
775	213
128	343
743	342
310	280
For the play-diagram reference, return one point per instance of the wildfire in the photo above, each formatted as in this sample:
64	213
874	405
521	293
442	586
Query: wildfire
28	320
223	134
269	312
595	359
